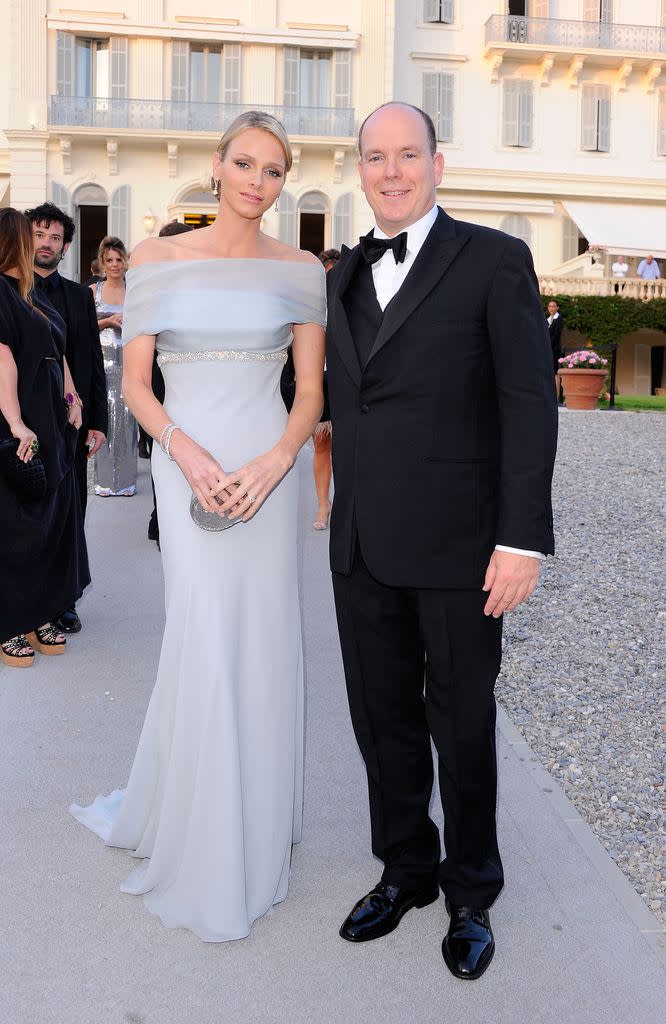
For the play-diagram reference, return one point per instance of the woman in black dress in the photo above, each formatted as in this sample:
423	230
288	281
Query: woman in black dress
43	556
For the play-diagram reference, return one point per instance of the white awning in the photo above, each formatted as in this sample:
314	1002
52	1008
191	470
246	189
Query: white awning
624	229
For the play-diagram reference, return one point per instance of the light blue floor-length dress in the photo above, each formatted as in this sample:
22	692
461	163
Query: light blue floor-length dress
214	799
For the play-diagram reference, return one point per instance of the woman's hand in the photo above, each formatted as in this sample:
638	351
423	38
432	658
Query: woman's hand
27	440
74	415
202	472
249	486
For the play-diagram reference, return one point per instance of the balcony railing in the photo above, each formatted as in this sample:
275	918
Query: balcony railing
182	116
575	35
627	288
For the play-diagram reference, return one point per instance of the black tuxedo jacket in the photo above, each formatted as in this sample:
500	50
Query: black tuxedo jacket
444	441
84	355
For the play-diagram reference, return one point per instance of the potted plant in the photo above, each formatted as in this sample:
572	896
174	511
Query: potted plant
582	374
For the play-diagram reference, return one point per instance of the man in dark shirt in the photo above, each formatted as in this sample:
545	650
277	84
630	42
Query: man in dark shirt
53	231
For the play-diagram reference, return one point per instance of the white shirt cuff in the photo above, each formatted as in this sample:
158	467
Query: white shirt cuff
520	551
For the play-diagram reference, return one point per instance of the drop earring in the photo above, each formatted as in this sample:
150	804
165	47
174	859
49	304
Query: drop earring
277	207
215	186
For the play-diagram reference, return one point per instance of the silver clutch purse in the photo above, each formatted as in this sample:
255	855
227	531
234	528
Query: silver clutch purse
209	520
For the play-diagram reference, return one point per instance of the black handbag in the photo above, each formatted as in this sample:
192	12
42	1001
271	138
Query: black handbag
26	478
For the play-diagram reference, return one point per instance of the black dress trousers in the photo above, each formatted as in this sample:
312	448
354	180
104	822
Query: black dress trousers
422	663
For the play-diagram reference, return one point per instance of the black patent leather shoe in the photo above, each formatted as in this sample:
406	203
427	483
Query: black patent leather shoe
68	622
381	910
468	946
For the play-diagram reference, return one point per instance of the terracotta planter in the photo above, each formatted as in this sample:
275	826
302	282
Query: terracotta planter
582	388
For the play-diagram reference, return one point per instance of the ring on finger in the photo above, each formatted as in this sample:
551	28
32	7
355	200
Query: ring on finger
251	499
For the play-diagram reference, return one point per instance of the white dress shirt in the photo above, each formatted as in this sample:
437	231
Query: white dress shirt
620	269
388	277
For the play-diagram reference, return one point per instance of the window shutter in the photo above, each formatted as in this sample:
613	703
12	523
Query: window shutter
445	121
342	220
119	214
231	56
606	12
569	240
63	200
342	78
292	61
65	64
119	64
510	113
431	95
180	52
288	226
591	10
518	226
525	113
446	12
661	130
588	137
603	122
431	10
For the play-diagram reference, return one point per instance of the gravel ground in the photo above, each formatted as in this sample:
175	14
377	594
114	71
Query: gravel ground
585	659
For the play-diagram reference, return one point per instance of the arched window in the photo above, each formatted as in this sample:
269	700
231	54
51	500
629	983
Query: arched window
518	226
313	208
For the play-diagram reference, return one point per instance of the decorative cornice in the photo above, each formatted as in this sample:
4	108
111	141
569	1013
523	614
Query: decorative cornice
551	184
545	68
92	15
189	19
623	75
311	26
112	154
457	58
66	154
172	157
221	29
576	65
652	75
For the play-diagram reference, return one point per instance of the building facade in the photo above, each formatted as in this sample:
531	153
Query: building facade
551	115
115	113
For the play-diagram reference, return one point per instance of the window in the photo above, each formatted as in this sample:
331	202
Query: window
317	78
517	113
205	73
529	8
92	68
595	119
598	10
438	102
438	11
518	226
661	125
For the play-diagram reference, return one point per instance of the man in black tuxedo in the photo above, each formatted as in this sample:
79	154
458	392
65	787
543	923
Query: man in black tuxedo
444	436
555	328
53	231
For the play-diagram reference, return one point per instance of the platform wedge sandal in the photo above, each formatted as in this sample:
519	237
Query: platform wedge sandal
17	652
47	639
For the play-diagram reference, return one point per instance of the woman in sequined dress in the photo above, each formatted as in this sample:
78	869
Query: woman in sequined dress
214	798
115	462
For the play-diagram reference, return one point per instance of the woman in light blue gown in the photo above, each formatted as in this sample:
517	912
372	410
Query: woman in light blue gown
214	799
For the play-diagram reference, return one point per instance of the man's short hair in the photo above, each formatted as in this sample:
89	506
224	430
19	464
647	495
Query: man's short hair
427	120
48	212
174	227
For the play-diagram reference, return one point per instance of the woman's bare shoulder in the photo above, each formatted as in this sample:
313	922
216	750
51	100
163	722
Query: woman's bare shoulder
276	250
151	250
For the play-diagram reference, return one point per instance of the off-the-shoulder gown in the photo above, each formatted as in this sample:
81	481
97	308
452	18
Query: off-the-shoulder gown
214	799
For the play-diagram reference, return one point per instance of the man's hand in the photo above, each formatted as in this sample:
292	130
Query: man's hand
511	579
95	440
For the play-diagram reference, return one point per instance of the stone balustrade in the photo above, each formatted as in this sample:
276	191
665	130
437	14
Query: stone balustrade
627	288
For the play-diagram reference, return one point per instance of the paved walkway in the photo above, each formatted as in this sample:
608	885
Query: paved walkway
575	944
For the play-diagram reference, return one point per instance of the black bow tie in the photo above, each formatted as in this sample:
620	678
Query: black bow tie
372	249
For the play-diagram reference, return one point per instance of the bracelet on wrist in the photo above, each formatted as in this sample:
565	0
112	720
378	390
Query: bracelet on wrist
165	439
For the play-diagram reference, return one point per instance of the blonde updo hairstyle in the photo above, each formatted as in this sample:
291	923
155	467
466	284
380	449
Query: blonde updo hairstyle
108	244
256	119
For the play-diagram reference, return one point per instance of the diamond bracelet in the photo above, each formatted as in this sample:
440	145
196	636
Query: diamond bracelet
165	439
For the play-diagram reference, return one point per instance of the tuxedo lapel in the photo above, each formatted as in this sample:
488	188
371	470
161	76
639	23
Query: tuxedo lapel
339	332
436	255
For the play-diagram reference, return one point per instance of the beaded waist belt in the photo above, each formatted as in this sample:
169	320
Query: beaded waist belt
226	355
